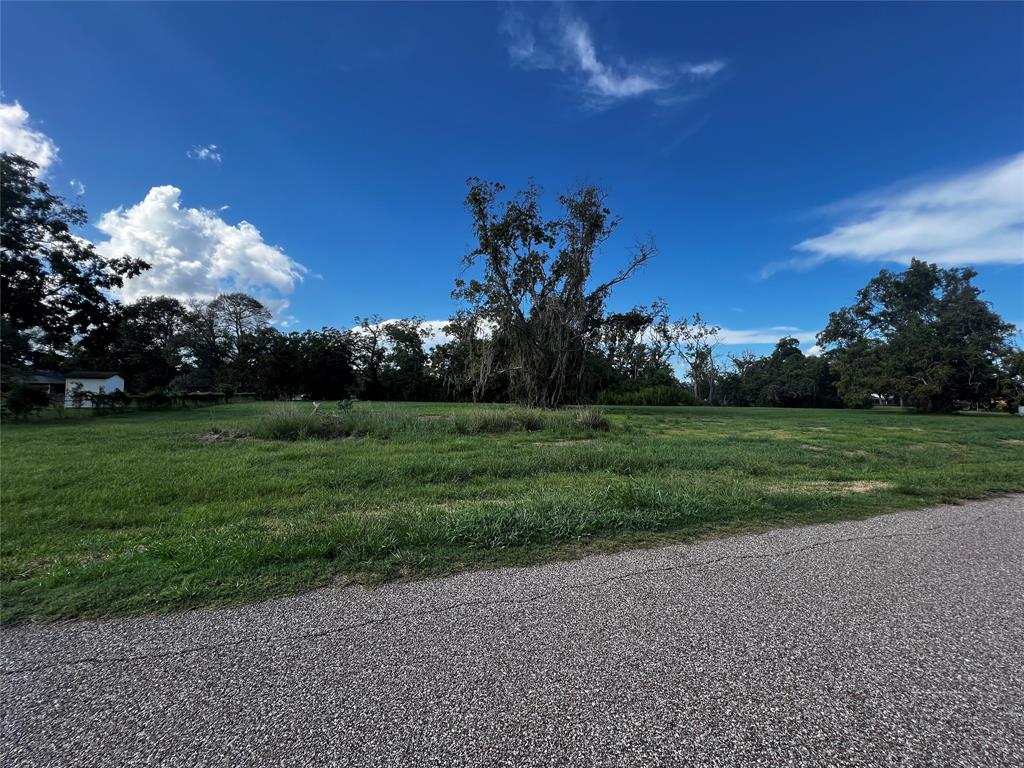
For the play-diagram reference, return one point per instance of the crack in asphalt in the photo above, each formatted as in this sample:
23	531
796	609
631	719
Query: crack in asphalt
287	639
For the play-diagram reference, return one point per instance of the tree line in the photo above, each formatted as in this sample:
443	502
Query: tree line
533	326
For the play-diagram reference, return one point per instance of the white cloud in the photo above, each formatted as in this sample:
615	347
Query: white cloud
210	152
563	42
771	335
194	253
975	217
435	329
705	70
17	137
77	187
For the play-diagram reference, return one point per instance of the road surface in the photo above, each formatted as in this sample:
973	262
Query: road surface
897	641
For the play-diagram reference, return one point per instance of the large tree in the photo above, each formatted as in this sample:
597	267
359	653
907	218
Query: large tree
534	293
924	336
53	284
696	342
141	340
237	315
405	372
786	378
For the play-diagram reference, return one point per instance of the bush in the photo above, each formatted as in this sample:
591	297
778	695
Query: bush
291	421
664	394
155	398
104	402
593	419
20	400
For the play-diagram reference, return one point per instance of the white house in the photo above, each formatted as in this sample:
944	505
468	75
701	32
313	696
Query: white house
78	385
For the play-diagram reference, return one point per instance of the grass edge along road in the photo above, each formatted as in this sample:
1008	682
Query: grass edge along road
149	512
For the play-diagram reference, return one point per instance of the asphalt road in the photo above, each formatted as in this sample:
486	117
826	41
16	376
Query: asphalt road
898	641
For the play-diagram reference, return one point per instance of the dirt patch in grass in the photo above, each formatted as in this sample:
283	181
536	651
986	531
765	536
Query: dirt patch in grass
814	448
1011	441
840	487
856	454
220	435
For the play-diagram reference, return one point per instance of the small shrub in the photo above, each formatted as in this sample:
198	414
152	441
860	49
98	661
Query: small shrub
155	398
592	419
491	421
108	402
664	394
288	422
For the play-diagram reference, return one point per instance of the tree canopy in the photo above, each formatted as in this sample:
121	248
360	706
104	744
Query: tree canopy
923	336
53	284
534	295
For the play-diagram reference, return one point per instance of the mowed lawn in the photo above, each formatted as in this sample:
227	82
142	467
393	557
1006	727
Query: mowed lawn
144	512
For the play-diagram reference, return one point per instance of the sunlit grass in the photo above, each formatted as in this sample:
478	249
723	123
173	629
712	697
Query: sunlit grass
154	511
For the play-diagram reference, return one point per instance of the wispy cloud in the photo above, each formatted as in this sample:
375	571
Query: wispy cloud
210	152
560	41
19	138
770	335
976	217
77	187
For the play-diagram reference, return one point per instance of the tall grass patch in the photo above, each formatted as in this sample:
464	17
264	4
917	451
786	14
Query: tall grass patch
295	421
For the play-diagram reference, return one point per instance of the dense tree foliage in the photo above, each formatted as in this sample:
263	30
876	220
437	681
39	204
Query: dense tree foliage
142	341
533	328
923	337
787	378
53	284
534	294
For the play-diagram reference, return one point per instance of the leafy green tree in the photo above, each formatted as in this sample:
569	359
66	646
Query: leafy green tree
923	336
533	293
140	340
369	353
53	284
204	347
325	360
235	315
785	378
1011	383
405	374
695	342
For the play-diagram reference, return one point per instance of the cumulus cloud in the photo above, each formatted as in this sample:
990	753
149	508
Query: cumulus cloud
210	152
18	137
563	42
194	253
975	217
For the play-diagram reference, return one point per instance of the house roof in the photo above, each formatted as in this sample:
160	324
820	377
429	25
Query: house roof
92	374
47	377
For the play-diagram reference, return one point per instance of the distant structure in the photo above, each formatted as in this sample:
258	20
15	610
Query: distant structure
79	386
50	383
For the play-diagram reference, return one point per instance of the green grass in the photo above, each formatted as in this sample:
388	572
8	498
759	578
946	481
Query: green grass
143	512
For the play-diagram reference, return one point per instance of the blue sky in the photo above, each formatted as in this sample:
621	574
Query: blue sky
779	154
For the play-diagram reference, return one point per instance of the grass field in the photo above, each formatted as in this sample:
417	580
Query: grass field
154	511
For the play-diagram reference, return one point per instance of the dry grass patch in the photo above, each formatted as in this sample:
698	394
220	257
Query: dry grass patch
835	487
